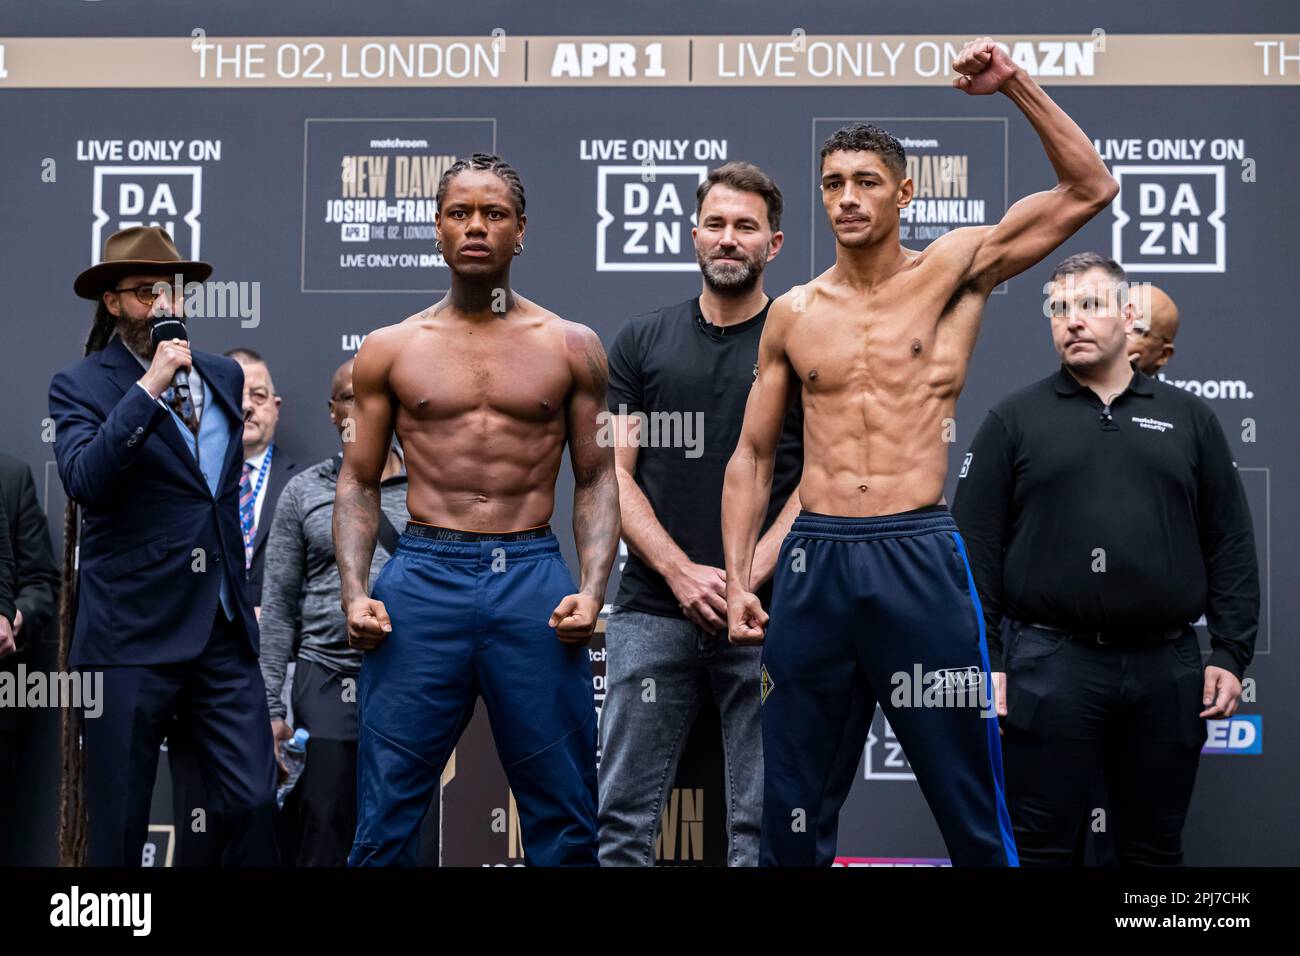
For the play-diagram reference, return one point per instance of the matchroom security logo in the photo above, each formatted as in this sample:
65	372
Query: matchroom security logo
1235	736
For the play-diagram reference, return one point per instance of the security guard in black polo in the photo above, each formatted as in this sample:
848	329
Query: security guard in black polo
1103	514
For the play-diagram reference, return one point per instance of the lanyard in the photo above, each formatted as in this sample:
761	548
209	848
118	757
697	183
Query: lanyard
261	476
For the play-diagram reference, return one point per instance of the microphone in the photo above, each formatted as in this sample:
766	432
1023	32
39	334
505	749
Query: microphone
164	329
709	329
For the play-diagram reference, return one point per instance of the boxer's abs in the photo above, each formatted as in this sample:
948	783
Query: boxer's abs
873	452
496	474
879	395
481	418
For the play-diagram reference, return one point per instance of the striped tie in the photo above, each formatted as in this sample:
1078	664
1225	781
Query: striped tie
246	513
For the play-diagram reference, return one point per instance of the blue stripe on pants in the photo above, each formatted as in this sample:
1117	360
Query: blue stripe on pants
862	608
469	619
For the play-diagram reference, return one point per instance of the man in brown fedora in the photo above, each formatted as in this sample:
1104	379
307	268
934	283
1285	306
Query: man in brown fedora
160	601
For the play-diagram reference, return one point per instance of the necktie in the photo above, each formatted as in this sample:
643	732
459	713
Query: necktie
246	512
183	407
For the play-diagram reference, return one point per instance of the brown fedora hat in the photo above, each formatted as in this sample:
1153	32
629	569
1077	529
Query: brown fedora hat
140	249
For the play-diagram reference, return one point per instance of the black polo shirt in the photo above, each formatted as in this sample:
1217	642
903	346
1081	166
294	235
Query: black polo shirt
1127	518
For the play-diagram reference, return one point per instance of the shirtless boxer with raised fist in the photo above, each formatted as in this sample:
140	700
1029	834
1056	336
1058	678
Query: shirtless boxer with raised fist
873	579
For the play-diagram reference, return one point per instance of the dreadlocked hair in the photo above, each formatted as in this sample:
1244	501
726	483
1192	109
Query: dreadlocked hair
73	816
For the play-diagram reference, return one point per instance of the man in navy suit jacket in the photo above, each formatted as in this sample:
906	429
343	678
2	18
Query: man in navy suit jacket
261	409
163	607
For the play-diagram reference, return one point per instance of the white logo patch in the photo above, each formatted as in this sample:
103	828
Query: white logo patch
1154	424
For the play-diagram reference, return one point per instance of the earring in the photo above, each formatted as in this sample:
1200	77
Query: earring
438	244
519	248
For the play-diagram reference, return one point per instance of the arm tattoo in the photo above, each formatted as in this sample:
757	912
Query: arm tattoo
595	493
356	528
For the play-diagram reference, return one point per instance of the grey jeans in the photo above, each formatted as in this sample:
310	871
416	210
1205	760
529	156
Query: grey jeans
656	671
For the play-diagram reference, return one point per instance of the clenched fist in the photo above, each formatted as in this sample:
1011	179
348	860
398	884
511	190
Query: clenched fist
368	623
983	66
746	619
574	618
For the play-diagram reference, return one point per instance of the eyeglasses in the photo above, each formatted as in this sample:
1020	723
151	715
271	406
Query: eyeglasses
145	293
1144	333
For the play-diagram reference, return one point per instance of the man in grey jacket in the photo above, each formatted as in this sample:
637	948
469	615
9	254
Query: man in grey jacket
302	621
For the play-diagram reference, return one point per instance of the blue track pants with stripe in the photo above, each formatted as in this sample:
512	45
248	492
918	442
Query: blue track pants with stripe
866	611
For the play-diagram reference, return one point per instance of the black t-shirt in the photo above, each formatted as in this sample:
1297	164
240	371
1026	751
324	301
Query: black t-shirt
691	380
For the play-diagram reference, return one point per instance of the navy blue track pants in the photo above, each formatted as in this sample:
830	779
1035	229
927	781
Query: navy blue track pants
470	618
866	611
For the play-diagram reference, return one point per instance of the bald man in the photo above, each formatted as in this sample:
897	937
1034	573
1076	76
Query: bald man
1151	343
301	621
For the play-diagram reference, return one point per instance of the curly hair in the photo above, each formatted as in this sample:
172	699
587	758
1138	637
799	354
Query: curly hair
864	137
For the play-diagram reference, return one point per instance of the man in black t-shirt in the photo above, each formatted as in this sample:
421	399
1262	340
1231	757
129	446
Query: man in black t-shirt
679	380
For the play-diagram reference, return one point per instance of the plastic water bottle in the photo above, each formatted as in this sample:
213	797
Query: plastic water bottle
294	755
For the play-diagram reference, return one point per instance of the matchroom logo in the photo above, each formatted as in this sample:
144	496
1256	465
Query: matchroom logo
370	197
1169	219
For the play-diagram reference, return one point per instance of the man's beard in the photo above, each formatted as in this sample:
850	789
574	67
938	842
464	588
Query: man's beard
138	335
732	278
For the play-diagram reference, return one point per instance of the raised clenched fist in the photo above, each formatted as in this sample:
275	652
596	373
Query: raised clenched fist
983	67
